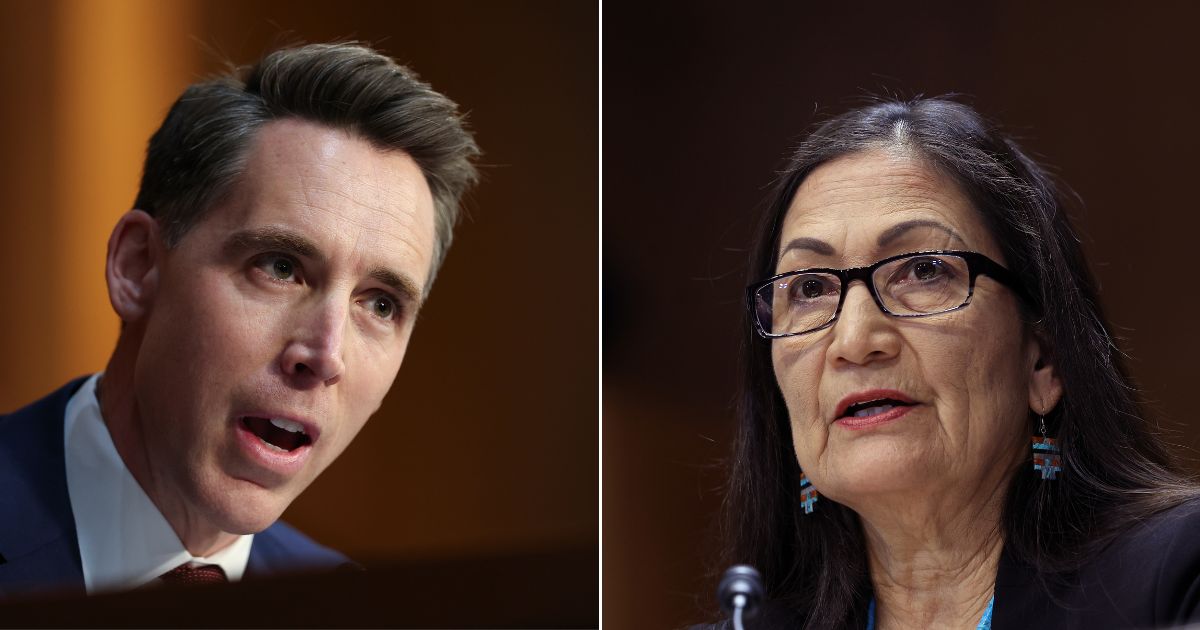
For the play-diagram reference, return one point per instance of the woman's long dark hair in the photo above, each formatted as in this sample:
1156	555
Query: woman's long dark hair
1115	469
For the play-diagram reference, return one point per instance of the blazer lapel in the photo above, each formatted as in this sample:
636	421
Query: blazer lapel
37	528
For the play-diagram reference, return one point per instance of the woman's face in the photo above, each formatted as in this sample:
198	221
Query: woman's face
972	376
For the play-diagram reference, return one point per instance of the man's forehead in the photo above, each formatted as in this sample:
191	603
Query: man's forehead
344	195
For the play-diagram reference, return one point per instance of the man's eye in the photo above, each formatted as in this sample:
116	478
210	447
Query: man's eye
384	307
279	268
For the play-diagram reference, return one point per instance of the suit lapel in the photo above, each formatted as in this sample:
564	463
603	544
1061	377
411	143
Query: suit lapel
264	555
37	529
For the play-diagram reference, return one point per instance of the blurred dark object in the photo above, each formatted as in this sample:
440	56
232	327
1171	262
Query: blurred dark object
541	590
740	592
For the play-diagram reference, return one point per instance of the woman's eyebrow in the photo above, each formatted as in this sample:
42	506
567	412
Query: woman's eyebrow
889	235
896	231
809	243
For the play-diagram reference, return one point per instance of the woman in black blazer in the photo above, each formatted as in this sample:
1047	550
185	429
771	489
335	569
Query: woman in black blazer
936	429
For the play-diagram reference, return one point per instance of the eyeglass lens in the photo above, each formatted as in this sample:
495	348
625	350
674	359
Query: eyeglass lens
922	284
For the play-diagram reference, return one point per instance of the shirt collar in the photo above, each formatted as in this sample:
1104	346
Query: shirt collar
124	541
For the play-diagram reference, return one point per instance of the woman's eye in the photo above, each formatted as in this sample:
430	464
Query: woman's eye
926	269
811	288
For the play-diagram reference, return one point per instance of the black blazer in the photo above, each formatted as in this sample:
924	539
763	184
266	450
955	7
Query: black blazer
1147	577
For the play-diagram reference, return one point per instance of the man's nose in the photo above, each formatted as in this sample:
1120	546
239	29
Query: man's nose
313	354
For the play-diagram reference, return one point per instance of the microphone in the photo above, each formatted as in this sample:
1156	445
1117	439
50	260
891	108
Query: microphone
739	593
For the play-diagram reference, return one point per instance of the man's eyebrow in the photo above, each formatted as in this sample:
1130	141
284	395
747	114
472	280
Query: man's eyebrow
898	230
400	283
290	242
811	244
273	238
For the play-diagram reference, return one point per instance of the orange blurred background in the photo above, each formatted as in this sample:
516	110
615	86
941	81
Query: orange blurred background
487	444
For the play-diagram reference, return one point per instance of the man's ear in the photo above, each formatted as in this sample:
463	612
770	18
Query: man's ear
1045	386
134	255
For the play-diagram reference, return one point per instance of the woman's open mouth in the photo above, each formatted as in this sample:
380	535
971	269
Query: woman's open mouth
867	409
873	413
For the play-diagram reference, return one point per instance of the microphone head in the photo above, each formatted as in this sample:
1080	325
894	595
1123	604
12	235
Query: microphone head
744	580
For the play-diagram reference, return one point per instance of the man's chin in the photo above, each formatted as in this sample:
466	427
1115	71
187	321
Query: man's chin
246	508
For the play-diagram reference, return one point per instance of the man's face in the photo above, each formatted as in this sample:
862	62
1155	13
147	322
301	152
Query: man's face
293	300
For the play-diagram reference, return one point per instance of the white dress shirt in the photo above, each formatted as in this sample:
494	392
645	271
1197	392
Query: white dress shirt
124	541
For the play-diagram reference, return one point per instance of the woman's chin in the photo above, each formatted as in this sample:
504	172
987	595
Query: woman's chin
868	470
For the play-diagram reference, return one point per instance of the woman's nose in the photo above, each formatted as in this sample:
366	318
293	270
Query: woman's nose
863	333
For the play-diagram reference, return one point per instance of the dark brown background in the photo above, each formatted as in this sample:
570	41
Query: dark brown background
701	104
487	444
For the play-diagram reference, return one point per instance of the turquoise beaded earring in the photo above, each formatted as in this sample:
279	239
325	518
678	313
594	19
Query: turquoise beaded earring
1047	457
808	494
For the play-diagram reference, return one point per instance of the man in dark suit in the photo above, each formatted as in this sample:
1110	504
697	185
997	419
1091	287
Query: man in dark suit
289	224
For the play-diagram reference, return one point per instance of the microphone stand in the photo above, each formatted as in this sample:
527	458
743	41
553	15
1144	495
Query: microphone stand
739	593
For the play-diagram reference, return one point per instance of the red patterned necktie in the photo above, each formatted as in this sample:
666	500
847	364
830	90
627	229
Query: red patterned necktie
189	575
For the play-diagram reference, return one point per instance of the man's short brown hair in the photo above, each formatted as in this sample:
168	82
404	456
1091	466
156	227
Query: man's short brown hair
200	150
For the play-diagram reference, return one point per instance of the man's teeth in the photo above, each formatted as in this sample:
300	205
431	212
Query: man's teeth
869	411
288	425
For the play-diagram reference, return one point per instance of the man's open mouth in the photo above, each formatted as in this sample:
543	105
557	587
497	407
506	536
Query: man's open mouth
278	433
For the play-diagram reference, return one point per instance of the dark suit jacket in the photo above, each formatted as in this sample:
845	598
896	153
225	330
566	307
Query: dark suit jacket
1148	577
39	550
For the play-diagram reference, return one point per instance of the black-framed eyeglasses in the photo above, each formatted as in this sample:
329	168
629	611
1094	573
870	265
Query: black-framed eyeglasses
918	284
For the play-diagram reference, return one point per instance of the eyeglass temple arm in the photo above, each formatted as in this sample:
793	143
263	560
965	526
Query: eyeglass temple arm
986	266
